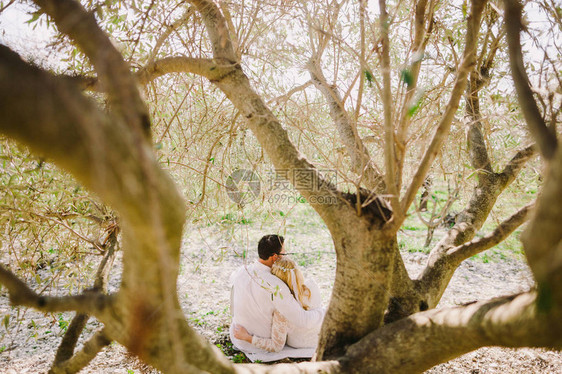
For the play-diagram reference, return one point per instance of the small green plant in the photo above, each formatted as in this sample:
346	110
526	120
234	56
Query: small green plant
6	321
63	324
239	358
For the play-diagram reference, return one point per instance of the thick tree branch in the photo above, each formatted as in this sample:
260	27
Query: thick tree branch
67	346
479	158
53	117
542	240
545	136
292	91
73	20
217	29
212	69
434	279
513	321
517	162
469	58
324	367
32	103
21	295
500	233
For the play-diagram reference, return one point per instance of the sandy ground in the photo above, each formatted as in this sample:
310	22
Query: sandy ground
209	256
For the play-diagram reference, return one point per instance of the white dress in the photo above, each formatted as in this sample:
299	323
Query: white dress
282	331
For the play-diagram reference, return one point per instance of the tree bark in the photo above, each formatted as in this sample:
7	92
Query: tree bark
52	116
447	333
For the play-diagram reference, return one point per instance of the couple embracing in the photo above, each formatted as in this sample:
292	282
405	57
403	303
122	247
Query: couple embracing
273	306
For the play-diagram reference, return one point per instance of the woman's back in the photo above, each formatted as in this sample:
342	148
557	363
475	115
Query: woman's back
307	337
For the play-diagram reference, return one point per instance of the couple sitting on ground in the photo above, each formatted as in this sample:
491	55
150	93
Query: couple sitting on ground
272	305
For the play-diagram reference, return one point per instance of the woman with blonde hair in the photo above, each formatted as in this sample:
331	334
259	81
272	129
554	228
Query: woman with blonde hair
282	331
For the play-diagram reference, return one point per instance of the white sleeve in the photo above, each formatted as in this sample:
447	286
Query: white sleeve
279	329
288	306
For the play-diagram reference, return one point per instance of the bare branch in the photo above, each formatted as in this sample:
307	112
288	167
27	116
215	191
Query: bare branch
182	20
51	218
504	229
110	243
80	360
362	10
68	343
291	92
389	144
22	295
418	48
545	136
517	162
469	58
360	158
542	240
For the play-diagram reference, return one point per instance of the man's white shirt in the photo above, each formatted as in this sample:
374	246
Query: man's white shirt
256	293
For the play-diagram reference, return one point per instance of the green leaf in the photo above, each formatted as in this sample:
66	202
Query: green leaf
34	17
407	77
369	77
413	109
415	104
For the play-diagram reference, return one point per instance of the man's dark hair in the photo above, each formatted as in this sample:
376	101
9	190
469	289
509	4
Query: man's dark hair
270	245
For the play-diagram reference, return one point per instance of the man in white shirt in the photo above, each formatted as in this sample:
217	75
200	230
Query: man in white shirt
256	293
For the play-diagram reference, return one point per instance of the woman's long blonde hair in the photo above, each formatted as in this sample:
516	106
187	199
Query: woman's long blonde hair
285	269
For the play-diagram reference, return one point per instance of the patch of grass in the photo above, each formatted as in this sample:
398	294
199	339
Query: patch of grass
418	249
240	358
486	257
225	345
411	246
414	228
